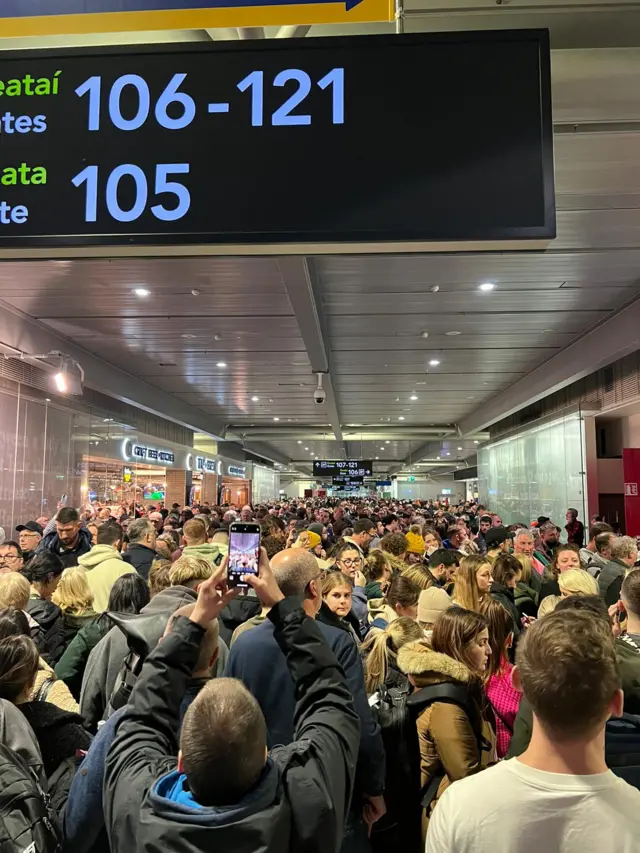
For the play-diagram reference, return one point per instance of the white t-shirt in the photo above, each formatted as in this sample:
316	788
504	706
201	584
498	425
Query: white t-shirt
513	808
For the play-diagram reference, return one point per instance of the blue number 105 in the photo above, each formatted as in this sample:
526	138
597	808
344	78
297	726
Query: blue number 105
283	116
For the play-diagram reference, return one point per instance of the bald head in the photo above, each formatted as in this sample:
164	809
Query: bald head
208	644
294	569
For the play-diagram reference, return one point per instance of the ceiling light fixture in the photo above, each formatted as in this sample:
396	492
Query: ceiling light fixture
476	442
459	448
255	399
413	397
401	418
387	441
452	334
434	362
221	364
425	334
486	286
276	419
306	448
141	291
299	441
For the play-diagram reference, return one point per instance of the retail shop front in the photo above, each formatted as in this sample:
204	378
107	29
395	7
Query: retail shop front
236	485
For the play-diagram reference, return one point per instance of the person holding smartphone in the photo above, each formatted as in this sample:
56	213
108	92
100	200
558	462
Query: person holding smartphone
225	791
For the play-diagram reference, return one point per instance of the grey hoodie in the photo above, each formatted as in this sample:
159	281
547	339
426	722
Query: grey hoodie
106	659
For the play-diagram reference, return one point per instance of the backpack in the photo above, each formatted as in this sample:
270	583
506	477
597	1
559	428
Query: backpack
622	747
27	824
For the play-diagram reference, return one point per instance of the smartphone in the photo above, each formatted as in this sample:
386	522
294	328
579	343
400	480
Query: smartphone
244	552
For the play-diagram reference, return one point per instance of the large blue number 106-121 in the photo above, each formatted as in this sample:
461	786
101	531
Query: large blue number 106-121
254	83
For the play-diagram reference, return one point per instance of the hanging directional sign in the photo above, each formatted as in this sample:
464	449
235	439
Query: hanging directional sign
57	17
279	141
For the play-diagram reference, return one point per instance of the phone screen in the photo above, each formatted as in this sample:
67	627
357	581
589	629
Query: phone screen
244	549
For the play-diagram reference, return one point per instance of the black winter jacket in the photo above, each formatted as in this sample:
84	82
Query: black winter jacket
506	597
69	558
49	635
302	798
141	558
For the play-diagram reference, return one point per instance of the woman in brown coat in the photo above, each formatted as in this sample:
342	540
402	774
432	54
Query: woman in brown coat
457	733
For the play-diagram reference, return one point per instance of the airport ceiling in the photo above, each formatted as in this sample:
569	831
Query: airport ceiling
419	357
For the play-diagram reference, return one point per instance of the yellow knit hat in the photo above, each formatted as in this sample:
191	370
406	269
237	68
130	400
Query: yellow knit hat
416	543
314	539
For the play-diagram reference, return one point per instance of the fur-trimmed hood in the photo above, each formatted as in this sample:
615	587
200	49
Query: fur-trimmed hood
428	667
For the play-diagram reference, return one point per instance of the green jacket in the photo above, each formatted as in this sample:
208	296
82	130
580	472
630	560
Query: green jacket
214	553
70	667
373	590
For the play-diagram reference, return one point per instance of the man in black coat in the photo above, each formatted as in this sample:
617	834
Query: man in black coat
227	792
70	539
142	546
257	661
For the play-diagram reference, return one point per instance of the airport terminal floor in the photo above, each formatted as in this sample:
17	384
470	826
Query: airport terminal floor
319	427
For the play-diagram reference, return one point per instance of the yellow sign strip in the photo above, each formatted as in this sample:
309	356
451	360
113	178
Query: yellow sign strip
195	19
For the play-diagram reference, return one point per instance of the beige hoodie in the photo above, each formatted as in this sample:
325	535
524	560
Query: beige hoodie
103	565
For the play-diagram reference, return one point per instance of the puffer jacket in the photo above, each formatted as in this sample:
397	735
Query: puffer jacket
379	614
49	636
448	742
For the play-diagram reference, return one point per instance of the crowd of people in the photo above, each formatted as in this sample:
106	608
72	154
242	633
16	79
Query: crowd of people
397	674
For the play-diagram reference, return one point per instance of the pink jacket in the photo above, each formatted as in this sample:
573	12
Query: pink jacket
505	701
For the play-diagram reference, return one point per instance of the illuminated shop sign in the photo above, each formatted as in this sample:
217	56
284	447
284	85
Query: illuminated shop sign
132	451
236	470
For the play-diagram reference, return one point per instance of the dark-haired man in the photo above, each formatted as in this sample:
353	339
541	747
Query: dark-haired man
589	554
227	791
69	540
442	566
364	533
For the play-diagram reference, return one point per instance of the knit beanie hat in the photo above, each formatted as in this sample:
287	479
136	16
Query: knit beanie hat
314	539
432	603
416	543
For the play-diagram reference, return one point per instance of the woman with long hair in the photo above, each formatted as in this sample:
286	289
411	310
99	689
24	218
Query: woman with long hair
75	599
401	599
504	698
129	594
454	720
473	582
380	652
337	593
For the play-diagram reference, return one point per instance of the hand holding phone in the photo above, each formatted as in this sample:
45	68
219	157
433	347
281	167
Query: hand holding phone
244	551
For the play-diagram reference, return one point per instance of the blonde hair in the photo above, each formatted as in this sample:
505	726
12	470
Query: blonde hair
548	605
418	575
334	580
578	582
383	646
187	569
466	592
527	568
73	594
14	591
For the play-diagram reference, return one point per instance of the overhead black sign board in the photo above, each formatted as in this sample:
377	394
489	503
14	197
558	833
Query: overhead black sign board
342	468
423	137
347	481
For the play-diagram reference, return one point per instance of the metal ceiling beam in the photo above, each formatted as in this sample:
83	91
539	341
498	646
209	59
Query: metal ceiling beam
292	32
302	292
23	333
607	342
310	433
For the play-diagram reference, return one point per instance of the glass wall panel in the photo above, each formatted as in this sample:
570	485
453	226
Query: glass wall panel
539	471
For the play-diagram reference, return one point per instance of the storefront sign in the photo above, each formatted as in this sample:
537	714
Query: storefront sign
208	466
236	471
132	451
164	143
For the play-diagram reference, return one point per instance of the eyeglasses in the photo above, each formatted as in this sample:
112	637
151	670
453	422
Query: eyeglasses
6	557
349	562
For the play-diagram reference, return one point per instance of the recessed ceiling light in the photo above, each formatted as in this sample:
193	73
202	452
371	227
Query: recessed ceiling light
382	448
387	441
434	362
486	286
476	442
471	397
306	448
413	397
189	337
299	441
276	419
447	454
47	399
255	399
401	418
459	448
377	457
452	333
141	291
425	334
434	288
221	364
